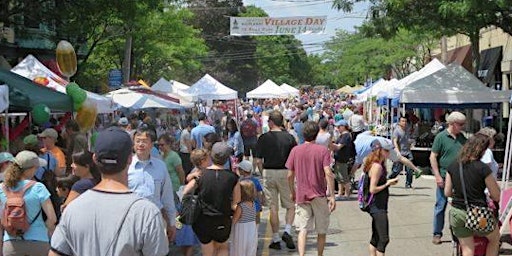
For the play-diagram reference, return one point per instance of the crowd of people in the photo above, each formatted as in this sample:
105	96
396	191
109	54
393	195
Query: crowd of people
120	191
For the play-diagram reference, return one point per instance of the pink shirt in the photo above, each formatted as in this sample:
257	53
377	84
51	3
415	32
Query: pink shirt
308	161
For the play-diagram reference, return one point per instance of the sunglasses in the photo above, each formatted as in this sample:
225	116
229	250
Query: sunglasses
161	144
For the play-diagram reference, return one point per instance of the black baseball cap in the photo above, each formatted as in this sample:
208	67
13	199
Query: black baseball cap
113	147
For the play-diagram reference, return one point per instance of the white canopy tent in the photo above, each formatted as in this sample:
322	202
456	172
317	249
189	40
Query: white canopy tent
136	100
292	91
267	90
452	85
172	89
432	67
207	88
32	68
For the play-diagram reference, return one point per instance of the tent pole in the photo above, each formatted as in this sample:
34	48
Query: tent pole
6	125
506	165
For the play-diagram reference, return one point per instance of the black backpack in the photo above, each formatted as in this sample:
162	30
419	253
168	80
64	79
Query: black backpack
49	180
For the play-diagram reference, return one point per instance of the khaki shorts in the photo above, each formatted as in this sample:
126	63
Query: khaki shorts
341	172
315	212
275	186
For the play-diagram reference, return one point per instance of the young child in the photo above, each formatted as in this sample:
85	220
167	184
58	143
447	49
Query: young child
64	185
185	237
245	173
244	233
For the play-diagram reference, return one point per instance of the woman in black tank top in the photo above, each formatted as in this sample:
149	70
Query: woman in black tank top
219	193
374	165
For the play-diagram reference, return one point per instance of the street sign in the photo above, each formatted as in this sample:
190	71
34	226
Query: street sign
115	78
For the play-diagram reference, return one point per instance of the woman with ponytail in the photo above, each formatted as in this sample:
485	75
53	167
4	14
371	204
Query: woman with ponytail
18	177
375	167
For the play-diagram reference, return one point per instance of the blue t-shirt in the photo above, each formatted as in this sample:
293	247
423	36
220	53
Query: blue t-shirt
34	198
298	129
83	185
199	132
259	188
257	109
52	164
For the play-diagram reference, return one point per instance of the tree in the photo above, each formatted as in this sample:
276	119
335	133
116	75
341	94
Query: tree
230	59
279	58
447	17
163	46
354	58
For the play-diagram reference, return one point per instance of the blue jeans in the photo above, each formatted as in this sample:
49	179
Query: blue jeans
439	210
397	168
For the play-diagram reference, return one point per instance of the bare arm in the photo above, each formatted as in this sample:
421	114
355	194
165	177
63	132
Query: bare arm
51	218
329	177
259	164
375	174
71	196
237	196
492	186
408	163
189	188
291	183
434	164
448	186
237	214
181	173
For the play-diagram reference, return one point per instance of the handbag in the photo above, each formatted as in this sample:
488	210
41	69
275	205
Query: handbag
191	208
479	218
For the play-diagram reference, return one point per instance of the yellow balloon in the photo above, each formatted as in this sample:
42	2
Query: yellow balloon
66	58
86	115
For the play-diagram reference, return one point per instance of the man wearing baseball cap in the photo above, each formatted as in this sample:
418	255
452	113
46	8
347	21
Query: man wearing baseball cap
344	155
49	137
114	219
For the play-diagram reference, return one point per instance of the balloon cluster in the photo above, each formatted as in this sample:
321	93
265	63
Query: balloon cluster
86	109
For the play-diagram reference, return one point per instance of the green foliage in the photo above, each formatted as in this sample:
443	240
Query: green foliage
352	58
163	46
279	58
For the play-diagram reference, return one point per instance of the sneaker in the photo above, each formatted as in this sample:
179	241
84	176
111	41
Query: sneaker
288	240
418	174
436	240
408	186
275	246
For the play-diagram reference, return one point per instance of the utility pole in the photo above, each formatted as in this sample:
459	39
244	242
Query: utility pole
127	58
444	50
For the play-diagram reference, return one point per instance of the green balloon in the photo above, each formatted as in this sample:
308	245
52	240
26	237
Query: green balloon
40	114
76	93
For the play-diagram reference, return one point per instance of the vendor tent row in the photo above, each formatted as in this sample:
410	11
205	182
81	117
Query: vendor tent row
435	85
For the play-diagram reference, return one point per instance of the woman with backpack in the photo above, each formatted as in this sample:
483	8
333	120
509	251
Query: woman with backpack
26	233
375	168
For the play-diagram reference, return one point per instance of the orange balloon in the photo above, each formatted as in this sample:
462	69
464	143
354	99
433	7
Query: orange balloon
66	58
86	116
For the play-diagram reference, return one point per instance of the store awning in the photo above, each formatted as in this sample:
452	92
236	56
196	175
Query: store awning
489	60
461	55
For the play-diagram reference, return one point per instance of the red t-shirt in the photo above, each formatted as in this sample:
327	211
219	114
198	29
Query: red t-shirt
308	161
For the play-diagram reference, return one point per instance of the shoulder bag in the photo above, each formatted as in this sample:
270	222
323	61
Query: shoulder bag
191	208
479	218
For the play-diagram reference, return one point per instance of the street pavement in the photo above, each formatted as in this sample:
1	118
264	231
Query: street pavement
410	219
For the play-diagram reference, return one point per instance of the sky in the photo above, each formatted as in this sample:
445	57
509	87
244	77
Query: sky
335	19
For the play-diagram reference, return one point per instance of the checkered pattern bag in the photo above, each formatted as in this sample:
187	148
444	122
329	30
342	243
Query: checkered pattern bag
479	218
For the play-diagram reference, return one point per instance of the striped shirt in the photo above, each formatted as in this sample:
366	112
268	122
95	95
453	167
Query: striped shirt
248	213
